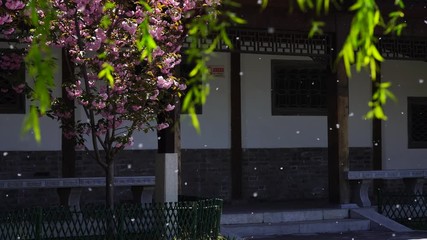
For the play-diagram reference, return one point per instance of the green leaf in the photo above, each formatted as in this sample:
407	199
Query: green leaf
377	17
105	22
385	85
108	6
316	28
301	4
378	112
32	122
106	72
193	30
264	4
146	6
383	97
195	70
369	115
194	119
102	55
373	66
212	46
390	95
356	6
326	6
376	54
226	39
319	6
235	18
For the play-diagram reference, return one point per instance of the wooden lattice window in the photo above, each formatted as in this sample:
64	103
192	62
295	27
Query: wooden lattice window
417	122
12	81
298	88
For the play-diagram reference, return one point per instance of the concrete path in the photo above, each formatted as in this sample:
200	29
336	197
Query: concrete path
362	235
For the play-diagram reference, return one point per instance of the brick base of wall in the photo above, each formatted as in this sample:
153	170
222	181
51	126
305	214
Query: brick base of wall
268	174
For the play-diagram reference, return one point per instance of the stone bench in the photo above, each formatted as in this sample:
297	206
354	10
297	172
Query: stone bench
412	178
142	186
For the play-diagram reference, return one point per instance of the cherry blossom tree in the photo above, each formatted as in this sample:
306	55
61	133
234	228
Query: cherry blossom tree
123	55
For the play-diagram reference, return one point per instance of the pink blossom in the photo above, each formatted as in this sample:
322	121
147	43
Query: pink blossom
11	62
146	94
130	142
5	19
69	134
129	27
73	92
136	108
182	86
9	31
175	14
98	104
157	32
14	4
158	52
83	102
103	96
162	126
20	88
154	96
169	108
162	83
189	5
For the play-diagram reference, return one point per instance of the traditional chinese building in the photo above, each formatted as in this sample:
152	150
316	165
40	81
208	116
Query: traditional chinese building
282	121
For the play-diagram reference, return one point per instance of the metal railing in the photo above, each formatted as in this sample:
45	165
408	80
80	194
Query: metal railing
409	209
180	220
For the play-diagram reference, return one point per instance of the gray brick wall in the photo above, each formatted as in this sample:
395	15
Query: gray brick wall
285	174
268	174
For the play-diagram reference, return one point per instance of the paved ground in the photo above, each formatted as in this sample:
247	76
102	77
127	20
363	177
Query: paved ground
363	235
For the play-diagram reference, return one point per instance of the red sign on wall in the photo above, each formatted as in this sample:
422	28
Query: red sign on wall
217	71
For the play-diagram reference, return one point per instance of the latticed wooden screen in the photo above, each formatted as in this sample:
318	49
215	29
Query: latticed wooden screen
298	88
417	122
10	100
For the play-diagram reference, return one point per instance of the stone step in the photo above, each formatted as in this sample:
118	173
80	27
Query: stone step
284	216
240	231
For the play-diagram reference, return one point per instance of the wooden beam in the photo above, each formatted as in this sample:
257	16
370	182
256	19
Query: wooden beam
377	149
376	133
168	162
168	138
68	145
68	161
338	103
236	127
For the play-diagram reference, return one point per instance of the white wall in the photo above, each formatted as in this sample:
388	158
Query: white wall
10	125
262	130
409	78
259	128
359	128
215	120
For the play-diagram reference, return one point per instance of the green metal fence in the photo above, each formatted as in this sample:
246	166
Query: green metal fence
406	208
181	220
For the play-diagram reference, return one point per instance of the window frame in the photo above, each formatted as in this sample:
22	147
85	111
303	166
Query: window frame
19	107
297	111
411	101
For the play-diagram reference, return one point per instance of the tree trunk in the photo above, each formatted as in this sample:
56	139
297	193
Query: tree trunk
109	198
109	181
